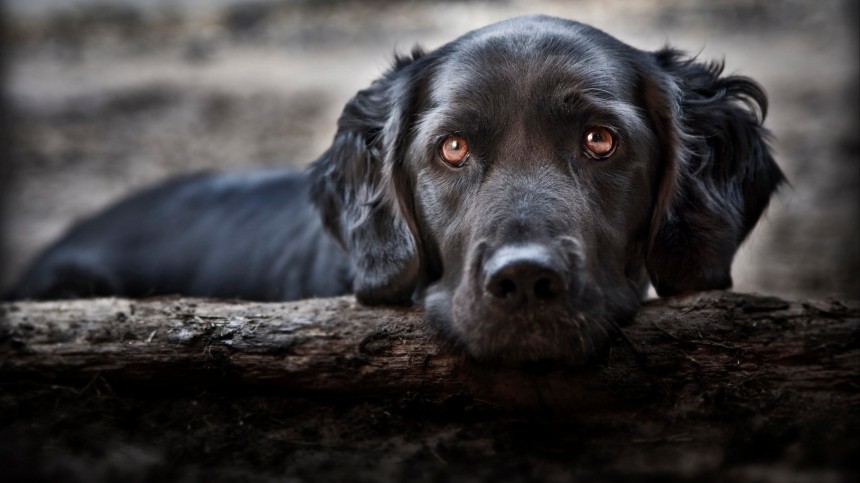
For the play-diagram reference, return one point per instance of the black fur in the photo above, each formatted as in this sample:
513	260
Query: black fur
245	235
531	249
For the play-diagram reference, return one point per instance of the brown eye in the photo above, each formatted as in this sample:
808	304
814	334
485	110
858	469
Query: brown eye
599	142
454	150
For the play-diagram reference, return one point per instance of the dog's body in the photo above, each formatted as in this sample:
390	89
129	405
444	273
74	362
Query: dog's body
249	235
522	182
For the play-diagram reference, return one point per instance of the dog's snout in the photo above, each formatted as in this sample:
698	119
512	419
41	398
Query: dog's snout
524	274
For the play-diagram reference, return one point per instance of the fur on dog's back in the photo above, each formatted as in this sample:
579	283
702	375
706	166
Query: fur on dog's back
250	235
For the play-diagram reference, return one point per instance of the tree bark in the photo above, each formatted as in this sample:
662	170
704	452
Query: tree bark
713	385
714	340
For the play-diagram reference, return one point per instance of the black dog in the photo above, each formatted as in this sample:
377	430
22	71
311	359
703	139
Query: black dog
523	182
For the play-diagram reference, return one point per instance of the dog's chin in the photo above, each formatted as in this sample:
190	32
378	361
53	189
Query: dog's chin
494	335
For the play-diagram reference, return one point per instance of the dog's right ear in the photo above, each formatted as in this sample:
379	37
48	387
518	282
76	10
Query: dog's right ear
359	188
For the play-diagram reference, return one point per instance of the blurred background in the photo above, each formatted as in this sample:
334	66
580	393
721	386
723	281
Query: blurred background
106	97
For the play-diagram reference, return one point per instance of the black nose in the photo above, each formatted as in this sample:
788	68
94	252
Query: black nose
525	274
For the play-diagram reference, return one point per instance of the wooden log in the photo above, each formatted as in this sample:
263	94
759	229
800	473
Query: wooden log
681	348
713	386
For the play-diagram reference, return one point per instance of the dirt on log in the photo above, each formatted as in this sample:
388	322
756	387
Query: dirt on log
709	386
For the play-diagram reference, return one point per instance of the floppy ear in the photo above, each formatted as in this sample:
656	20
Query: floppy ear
719	180
361	192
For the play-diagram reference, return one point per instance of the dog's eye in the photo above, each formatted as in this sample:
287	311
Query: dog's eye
599	142
454	150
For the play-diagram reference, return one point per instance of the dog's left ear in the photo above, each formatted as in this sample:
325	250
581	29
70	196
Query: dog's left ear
718	176
362	191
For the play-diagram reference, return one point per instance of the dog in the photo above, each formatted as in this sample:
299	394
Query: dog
524	183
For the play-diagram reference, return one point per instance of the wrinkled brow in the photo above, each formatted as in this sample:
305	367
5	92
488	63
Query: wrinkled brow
601	104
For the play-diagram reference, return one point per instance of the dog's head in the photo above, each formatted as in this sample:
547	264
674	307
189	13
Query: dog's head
525	180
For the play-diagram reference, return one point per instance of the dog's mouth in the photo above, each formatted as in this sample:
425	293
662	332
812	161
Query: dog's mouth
523	302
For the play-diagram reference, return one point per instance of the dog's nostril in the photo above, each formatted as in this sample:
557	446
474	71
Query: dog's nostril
545	288
505	288
502	288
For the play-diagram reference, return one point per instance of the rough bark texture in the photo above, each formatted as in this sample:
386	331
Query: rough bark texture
713	385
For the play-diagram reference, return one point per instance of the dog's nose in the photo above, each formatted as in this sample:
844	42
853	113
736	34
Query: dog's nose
525	274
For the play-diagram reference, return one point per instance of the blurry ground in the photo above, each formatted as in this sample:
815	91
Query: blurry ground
108	99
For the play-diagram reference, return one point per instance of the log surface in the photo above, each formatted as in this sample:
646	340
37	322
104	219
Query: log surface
715	383
715	339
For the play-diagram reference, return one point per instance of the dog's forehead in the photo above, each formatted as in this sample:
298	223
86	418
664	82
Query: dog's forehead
532	55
